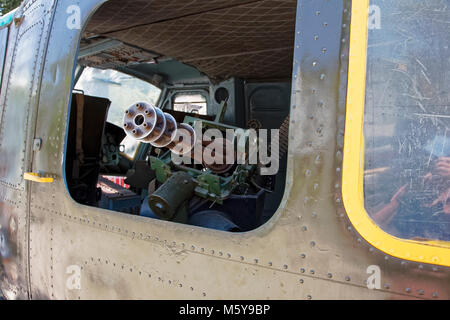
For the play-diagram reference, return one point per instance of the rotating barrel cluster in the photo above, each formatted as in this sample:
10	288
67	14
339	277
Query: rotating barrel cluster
149	124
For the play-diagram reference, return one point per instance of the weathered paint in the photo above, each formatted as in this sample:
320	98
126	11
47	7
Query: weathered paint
307	250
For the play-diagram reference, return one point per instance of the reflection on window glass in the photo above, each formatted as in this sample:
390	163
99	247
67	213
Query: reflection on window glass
122	90
192	103
407	119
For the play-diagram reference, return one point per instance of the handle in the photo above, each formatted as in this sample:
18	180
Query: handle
36	177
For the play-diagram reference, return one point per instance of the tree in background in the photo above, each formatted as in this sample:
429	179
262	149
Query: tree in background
8	5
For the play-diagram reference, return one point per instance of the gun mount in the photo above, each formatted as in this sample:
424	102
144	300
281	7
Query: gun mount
215	182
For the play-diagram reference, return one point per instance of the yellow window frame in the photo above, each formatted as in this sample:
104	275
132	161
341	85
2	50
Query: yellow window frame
432	252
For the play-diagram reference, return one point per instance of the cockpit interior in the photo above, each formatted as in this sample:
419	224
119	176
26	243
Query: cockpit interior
222	65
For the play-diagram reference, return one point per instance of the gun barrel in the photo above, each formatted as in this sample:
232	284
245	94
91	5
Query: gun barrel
147	123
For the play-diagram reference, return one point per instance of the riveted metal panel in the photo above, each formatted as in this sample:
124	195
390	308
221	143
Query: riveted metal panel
22	65
308	250
46	250
399	276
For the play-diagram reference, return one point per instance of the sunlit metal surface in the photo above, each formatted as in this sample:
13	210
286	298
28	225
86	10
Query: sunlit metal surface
55	248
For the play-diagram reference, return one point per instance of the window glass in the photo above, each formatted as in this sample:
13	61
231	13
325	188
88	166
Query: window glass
407	118
192	103
122	90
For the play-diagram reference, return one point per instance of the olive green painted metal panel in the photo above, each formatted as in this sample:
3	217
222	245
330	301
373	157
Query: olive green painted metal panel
13	253
47	247
308	250
20	90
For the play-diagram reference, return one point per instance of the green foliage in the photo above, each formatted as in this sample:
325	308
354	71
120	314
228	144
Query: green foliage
8	5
